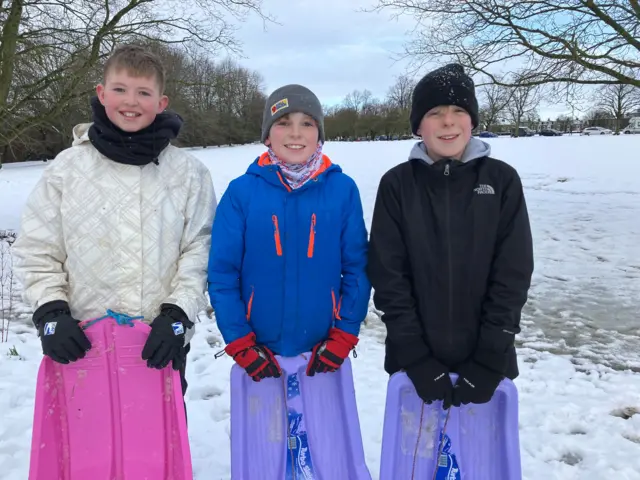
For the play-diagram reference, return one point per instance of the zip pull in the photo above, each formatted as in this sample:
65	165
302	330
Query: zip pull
355	354
276	235
312	236
221	353
446	170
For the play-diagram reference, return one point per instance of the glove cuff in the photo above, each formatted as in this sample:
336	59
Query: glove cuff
50	309
496	362
346	339
428	362
176	313
241	344
427	367
410	353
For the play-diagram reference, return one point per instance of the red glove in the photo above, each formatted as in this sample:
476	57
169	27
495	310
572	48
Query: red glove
327	356
257	360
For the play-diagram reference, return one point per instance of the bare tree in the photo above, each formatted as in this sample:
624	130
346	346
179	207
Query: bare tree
6	283
556	41
523	104
354	101
597	117
496	98
564	123
50	50
221	102
369	102
617	101
399	95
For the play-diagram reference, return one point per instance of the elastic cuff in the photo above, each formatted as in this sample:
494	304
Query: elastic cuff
341	336
410	353
176	313
240	344
492	360
45	310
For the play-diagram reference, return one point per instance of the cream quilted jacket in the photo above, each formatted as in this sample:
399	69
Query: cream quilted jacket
100	234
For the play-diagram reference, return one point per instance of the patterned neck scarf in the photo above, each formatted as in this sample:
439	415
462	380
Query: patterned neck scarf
298	175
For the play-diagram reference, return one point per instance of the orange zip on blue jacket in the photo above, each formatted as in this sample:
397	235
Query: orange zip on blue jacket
289	264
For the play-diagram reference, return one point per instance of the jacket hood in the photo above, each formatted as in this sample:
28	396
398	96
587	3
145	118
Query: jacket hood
81	133
262	167
476	148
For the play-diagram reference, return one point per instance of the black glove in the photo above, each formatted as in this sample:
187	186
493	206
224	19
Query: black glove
476	384
166	341
431	380
62	338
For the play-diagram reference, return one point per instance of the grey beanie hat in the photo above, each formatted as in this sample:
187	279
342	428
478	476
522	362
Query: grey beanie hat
289	99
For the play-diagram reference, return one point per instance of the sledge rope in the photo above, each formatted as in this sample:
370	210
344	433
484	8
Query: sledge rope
120	318
415	452
441	446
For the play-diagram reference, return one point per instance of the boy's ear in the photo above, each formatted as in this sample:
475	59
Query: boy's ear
100	93
267	142
163	104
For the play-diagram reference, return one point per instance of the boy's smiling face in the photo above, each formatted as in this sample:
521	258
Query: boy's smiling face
446	131
294	138
131	102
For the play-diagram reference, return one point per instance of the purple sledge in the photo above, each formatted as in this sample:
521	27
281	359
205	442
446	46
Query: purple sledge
481	441
296	427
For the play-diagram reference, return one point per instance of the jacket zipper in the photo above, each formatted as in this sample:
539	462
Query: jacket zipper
312	236
447	174
276	235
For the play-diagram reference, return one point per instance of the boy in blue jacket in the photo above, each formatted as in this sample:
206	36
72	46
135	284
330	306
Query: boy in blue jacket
289	248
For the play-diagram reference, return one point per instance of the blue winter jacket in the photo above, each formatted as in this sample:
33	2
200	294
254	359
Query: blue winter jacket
289	265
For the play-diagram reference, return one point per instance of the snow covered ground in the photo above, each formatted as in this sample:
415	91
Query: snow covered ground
579	351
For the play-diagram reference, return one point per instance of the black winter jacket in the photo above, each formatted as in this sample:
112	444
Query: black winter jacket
451	260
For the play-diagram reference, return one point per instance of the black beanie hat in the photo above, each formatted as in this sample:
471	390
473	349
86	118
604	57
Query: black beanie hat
448	85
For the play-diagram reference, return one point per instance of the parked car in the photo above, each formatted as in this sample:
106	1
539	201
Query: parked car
596	131
550	132
487	135
633	127
523	132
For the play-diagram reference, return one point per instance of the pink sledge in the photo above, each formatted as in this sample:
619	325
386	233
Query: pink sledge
108	416
296	427
481	442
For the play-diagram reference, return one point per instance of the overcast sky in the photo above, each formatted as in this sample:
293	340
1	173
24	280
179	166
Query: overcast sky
326	45
332	47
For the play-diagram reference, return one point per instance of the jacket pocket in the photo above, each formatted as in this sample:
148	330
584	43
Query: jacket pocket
276	235
312	236
250	304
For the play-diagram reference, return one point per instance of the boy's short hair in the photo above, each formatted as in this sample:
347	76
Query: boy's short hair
138	61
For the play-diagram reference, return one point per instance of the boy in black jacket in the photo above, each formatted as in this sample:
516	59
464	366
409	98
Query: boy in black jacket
451	253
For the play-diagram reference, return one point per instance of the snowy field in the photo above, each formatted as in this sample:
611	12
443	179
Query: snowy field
579	351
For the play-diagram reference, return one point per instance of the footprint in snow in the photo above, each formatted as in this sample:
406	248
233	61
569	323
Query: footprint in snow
625	413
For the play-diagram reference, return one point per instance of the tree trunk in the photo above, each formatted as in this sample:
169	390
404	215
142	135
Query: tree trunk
8	44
